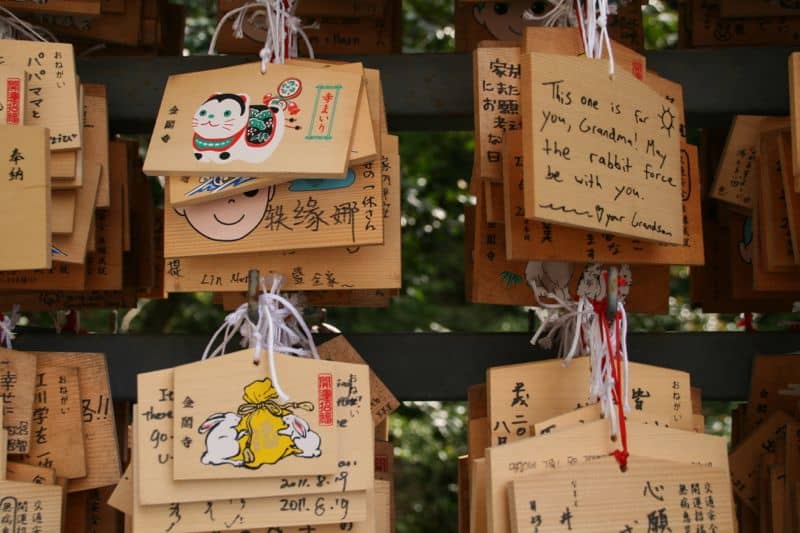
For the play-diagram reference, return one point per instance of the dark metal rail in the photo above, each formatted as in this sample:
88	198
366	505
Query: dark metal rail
440	366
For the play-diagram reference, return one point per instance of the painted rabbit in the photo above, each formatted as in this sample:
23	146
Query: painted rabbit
222	439
303	437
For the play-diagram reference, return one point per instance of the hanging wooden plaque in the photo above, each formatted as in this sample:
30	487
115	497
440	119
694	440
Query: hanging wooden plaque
17	379
237	122
778	250
267	436
30	474
104	266
95	136
51	98
586	443
39	506
651	493
296	215
497	76
618	129
354	469
25	196
771	388
745	457
120	28
736	178
56	425
521	396
99	430
365	267
763	278
247	512
72	248
533	240
792	197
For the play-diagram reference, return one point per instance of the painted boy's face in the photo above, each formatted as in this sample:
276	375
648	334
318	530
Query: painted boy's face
505	20
228	219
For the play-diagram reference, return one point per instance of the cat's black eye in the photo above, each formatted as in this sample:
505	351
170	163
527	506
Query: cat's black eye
501	8
251	193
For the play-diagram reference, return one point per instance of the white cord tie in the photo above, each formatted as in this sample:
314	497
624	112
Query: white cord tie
280	328
7	326
13	27
560	15
280	25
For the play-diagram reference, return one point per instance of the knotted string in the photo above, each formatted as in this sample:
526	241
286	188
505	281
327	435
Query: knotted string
593	22
583	329
280	24
560	15
7	325
280	328
13	27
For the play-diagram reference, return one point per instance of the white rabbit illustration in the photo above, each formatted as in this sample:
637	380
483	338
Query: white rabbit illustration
222	441
303	437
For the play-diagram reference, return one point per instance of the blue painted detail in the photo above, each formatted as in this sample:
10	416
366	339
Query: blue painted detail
316	184
57	251
218	183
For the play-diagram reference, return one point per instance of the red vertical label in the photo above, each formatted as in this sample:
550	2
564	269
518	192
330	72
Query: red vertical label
13	86
638	69
325	399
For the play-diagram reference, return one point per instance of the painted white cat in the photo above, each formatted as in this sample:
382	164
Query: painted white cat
227	127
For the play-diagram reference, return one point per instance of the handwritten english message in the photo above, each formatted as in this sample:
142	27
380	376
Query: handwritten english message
604	152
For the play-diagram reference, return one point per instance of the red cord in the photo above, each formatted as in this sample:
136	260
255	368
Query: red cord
621	455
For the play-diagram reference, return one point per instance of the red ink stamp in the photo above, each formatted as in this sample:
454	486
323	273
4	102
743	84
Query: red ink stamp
638	69
325	399
13	90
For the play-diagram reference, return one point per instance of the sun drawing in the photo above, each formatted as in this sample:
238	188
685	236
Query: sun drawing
667	120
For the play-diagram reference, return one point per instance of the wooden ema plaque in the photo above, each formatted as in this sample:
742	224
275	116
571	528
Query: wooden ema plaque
533	240
296	215
17	378
237	122
99	430
25	196
185	190
604	154
56	426
120	28
354	471
246	412
366	267
95	137
772	388
652	494
51	99
746	456
72	247
584	444
659	396
792	198
773	215
31	505
736	177
104	265
248	512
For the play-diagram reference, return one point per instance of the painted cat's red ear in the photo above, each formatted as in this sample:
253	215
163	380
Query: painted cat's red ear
244	98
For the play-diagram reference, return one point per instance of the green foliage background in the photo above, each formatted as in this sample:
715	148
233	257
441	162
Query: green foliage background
429	436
